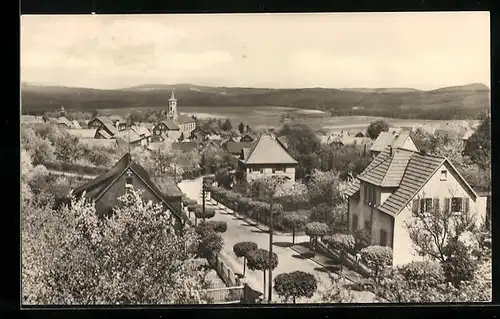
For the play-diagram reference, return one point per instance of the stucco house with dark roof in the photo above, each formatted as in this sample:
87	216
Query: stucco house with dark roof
108	187
400	184
266	157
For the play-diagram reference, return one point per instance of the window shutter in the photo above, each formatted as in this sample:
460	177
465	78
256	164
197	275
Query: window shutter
446	207
435	204
414	208
465	204
422	206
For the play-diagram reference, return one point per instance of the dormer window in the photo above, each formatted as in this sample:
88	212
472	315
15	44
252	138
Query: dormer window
444	175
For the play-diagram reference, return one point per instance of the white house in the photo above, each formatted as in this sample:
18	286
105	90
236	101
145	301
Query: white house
397	139
399	184
266	157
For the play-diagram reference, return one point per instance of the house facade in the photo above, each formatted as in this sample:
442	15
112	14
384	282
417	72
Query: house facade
107	188
396	187
266	157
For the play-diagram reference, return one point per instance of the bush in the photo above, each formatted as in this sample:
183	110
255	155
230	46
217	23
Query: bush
341	242
423	271
210	245
377	258
459	265
295	285
362	239
215	225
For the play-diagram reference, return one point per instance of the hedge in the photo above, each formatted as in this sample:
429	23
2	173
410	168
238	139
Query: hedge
74	168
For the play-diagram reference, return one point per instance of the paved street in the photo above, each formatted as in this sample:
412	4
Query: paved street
239	230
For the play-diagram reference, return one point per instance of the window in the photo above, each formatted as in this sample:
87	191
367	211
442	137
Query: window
456	205
428	205
278	169
128	180
444	175
383	237
254	170
354	222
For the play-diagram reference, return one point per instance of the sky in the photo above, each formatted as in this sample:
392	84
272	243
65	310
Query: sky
342	50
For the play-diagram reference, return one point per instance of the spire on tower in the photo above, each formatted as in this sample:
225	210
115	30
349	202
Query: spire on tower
172	96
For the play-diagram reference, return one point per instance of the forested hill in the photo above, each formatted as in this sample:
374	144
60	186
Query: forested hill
457	102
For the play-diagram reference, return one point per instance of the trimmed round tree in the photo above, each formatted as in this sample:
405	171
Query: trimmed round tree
294	221
191	208
340	242
242	249
294	285
198	213
259	260
377	258
315	230
210	245
361	239
214	225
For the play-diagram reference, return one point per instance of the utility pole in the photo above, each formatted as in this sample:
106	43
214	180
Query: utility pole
271	230
203	196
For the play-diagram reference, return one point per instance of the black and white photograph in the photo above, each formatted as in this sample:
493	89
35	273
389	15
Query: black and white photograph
280	158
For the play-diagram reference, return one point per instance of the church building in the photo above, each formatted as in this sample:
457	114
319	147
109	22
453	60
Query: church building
175	123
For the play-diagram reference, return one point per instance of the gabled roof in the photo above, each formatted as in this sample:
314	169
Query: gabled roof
141	130
76	125
236	147
266	150
97	187
111	143
184	119
387	168
407	171
128	135
170	125
395	139
65	121
108	125
83	133
104	133
184	146
283	140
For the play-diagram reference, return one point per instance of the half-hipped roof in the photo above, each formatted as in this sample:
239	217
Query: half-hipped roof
267	150
394	139
404	170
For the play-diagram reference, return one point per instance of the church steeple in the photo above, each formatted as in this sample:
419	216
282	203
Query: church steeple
172	107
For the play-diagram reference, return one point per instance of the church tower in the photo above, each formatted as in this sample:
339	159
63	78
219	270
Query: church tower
172	108
62	111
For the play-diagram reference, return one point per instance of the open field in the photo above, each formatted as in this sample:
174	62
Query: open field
271	116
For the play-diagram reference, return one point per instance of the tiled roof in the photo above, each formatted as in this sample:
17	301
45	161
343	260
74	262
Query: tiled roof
83	133
266	150
108	125
353	187
76	125
104	133
97	187
283	141
387	168
128	135
141	130
184	146
419	170
236	147
93	142
184	119
65	121
170	125
383	139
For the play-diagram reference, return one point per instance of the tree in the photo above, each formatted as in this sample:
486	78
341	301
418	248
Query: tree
242	249
294	285
76	258
259	260
362	239
324	188
207	214
294	221
215	225
247	129
224	178
181	137
241	128
460	265
210	245
227	126
336	293
376	127
315	230
324	213
478	146
341	242
377	258
423	272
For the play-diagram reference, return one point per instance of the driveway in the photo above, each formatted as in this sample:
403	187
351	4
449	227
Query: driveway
239	230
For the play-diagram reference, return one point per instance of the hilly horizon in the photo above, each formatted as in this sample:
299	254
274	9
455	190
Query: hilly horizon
454	102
